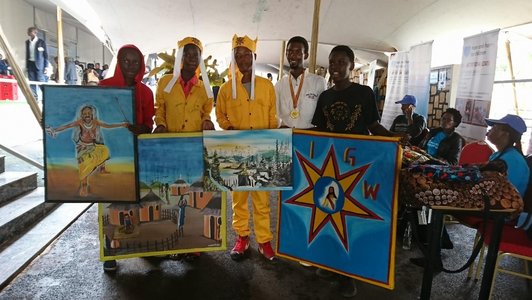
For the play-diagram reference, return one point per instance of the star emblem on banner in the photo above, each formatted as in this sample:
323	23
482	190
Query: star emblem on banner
329	194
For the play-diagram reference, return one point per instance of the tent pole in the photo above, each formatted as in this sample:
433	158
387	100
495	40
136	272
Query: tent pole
509	56
281	60
60	76
314	38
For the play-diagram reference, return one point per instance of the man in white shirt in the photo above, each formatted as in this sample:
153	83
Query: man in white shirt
297	93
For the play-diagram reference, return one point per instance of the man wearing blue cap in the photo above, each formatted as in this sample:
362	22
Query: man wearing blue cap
409	122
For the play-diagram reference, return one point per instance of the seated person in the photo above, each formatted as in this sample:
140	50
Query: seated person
409	122
3	66
443	142
506	134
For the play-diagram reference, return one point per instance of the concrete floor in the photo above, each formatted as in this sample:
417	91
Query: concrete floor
70	268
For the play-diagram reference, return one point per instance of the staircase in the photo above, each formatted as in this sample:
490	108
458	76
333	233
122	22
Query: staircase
27	224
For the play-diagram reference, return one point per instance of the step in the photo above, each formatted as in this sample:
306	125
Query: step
20	214
13	184
2	163
19	254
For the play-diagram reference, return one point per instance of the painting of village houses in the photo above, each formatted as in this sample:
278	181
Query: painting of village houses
248	160
174	215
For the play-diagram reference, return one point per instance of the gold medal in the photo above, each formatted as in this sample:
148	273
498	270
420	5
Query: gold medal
294	114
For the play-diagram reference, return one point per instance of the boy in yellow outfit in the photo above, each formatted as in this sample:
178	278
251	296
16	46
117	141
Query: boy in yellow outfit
183	103
247	102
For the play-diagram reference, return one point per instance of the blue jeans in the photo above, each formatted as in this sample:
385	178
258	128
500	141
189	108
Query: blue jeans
34	74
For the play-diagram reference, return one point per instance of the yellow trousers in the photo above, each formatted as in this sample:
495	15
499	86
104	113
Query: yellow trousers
261	215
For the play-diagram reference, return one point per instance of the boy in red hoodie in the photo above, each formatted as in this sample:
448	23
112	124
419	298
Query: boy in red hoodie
128	73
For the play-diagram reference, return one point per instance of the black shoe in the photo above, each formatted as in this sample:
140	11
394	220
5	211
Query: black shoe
420	262
239	256
110	266
190	257
347	287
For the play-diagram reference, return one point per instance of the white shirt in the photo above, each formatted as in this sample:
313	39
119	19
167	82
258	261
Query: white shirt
32	45
313	85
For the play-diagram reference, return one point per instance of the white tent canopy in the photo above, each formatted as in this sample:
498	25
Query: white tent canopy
371	28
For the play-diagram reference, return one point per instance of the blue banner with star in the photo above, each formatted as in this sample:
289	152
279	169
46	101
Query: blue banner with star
341	213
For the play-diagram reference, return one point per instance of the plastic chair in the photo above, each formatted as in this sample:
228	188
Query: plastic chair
475	222
475	153
514	243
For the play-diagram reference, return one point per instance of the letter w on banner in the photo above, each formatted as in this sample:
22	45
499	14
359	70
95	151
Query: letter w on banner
341	213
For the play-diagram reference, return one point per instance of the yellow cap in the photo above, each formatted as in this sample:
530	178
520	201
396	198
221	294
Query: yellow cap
244	41
190	40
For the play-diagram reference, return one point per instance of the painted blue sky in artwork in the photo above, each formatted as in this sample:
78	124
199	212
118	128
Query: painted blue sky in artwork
167	159
62	105
257	138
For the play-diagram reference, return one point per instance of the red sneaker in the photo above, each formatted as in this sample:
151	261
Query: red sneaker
241	246
266	250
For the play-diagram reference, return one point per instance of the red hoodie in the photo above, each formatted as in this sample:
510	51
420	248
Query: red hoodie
143	95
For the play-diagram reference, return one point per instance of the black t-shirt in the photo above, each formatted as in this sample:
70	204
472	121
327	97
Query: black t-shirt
350	110
400	124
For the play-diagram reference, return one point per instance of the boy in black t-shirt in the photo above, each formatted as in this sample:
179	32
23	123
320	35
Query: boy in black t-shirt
347	107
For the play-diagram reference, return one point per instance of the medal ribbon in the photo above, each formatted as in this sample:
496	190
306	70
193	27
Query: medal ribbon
295	98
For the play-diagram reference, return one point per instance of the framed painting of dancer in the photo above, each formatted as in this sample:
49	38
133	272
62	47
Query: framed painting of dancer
174	215
248	160
89	153
341	213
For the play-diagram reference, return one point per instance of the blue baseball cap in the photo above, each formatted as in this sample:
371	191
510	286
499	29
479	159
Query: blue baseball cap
407	99
515	122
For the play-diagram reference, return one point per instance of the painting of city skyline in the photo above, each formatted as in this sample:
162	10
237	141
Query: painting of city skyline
248	160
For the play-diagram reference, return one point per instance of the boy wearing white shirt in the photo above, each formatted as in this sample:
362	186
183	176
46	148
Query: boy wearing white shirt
297	93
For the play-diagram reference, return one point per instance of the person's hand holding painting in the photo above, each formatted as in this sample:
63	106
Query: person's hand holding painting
207	125
160	129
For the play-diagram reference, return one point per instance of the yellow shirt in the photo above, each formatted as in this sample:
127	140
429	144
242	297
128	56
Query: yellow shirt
179	113
245	114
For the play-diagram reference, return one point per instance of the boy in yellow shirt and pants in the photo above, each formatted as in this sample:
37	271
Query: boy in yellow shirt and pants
247	102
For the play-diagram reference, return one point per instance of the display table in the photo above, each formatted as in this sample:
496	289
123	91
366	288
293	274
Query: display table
435	228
